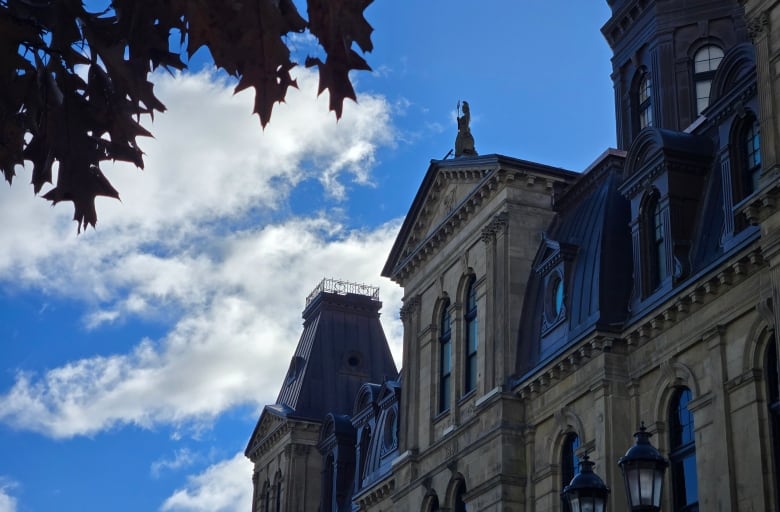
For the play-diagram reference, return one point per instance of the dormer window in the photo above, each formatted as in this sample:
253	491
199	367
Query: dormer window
658	243
552	263
654	251
745	165
705	62
554	298
752	152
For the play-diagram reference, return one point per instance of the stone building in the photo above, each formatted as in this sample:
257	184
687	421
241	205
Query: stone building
547	313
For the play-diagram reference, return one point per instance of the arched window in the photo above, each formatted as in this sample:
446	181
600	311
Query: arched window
773	402
752	156
658	243
365	440
745	152
327	485
459	505
472	340
569	463
279	493
682	455
643	101
654	250
705	62
445	358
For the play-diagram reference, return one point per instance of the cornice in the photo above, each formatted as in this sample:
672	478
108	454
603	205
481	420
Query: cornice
692	297
764	202
377	493
622	21
564	364
734	102
264	443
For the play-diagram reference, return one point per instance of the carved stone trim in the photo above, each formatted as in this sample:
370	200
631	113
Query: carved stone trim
409	307
497	224
757	25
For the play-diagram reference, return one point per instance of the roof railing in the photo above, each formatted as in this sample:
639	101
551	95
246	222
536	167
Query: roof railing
340	287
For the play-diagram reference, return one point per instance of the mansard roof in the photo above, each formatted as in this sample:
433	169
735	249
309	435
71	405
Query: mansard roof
341	347
451	191
591	226
657	148
738	64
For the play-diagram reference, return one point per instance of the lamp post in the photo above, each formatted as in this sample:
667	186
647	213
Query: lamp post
586	492
643	469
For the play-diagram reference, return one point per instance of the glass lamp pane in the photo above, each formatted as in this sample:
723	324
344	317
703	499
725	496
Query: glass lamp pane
646	480
657	487
587	505
632	477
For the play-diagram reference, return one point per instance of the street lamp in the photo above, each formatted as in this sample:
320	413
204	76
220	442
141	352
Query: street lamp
586	492
643	471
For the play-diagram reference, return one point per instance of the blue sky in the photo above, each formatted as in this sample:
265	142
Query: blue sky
135	358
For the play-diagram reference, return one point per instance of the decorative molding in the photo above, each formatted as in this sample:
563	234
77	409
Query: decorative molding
694	296
418	250
757	25
409	307
529	387
743	379
498	224
377	493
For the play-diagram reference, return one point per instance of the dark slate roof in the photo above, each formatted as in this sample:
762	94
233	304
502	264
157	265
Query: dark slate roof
592	222
341	347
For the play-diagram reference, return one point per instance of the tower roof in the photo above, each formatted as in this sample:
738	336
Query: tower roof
341	347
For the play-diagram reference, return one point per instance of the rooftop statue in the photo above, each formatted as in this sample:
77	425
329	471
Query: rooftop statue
464	142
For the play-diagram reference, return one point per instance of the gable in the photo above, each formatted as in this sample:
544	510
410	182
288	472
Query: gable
270	421
450	194
449	190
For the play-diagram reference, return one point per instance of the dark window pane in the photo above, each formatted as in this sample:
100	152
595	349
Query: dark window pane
685	486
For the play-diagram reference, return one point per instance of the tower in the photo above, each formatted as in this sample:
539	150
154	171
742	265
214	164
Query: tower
342	347
665	54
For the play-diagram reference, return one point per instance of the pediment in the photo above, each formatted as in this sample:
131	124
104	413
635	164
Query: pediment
552	253
268	423
448	191
452	193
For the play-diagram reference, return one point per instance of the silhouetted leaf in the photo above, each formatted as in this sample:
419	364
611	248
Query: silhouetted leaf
49	113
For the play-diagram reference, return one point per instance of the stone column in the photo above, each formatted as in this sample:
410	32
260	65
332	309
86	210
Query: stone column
410	392
496	345
715	478
768	93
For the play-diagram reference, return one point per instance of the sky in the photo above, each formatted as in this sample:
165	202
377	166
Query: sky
135	358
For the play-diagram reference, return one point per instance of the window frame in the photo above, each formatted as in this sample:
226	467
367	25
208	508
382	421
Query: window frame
643	100
682	452
470	338
569	463
654	243
772	379
704	77
445	356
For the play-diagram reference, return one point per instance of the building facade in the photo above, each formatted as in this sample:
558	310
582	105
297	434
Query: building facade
548	313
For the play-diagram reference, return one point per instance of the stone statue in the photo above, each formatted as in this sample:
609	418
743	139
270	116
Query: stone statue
464	142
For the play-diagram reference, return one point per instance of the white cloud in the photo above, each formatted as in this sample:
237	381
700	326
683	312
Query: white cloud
232	296
226	348
181	458
8	503
222	487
